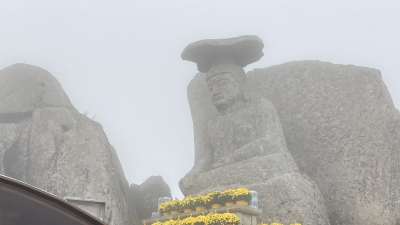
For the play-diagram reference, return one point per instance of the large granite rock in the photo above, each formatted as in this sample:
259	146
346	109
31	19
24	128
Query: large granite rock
25	88
47	143
341	127
145	196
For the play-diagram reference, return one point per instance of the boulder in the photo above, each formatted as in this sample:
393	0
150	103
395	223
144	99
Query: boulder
145	196
341	127
25	88
47	143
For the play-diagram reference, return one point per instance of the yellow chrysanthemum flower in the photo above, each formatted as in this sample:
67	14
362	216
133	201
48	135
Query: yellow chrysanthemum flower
187	202
211	218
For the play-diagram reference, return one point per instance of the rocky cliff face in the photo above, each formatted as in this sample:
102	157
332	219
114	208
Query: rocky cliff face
341	127
46	142
145	196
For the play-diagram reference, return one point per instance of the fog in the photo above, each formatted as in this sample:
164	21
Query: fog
120	60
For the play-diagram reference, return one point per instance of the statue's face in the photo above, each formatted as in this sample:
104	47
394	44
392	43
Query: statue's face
224	90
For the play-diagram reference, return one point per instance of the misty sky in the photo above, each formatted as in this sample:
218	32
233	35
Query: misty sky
121	60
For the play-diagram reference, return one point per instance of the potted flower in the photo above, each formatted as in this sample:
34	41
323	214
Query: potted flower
228	219
226	197
200	202
171	222
187	204
242	196
175	206
214	200
165	208
201	220
212	218
222	219
189	221
276	223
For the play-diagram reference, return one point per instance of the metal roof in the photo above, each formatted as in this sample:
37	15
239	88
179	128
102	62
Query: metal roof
23	204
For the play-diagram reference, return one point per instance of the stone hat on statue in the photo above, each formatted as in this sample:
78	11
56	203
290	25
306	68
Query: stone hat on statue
235	52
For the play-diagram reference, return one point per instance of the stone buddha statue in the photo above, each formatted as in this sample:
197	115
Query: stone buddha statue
244	144
242	129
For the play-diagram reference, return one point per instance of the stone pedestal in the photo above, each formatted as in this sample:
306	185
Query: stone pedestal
246	214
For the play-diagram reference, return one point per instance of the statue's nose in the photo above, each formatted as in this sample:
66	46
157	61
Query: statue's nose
216	90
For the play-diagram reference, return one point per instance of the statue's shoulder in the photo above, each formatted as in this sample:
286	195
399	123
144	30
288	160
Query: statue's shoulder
259	106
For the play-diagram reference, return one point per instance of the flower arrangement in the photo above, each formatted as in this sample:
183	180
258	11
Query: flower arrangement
175	205
199	220
242	194
187	203
277	223
200	201
213	198
210	219
165	207
216	197
226	196
225	218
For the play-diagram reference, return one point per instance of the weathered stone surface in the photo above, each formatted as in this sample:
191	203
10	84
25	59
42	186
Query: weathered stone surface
243	145
243	50
145	196
9	133
60	150
25	88
341	127
284	194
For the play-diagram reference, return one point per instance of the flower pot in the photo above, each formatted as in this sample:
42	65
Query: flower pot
187	210
166	214
174	212
229	203
242	202
199	208
214	206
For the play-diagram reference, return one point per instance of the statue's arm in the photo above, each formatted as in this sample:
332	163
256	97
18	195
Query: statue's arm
203	162
269	137
204	157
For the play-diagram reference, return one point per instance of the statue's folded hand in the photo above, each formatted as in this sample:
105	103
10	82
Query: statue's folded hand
223	162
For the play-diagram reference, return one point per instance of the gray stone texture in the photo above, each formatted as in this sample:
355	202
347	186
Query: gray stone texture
25	88
342	129
244	145
145	196
47	143
242	50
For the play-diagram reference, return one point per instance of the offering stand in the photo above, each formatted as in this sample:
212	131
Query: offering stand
246	214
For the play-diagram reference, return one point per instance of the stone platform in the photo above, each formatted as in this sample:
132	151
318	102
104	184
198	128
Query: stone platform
246	214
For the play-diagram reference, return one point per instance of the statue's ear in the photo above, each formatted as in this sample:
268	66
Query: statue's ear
245	94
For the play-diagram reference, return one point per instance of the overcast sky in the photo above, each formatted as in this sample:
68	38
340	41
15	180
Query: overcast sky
121	60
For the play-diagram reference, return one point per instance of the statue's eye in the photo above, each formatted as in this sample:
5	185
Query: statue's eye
210	87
